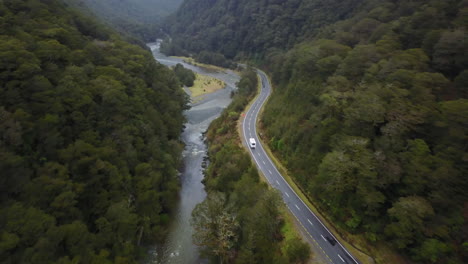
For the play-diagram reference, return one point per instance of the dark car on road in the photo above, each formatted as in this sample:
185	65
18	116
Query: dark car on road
331	240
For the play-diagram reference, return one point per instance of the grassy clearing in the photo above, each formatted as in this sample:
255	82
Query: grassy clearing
207	67
204	85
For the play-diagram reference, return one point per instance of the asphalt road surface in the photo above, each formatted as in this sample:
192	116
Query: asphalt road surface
318	234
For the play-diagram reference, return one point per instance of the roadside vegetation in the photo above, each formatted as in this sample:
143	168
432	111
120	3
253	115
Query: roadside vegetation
374	130
369	113
89	139
241	220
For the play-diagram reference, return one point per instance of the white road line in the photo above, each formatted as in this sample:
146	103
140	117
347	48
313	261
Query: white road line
253	114
263	162
310	222
341	258
277	182
297	207
270	172
323	238
320	222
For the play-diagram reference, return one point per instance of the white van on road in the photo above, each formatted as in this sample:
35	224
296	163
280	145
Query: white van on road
252	143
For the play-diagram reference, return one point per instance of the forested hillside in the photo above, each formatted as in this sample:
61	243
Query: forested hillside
240	220
369	113
249	28
89	149
140	18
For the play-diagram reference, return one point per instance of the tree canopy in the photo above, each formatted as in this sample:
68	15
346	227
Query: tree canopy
369	110
138	18
185	76
89	139
240	220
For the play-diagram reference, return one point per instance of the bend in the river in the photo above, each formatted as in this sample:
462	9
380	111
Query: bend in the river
178	247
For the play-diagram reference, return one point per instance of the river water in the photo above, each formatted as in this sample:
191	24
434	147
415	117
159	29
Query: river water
178	247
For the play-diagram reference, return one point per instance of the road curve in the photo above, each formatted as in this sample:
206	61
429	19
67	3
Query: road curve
318	234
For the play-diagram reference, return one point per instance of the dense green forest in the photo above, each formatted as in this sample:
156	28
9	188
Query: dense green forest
170	48
249	28
369	112
139	18
89	139
185	76
240	220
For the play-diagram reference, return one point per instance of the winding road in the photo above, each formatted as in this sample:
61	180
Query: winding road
316	231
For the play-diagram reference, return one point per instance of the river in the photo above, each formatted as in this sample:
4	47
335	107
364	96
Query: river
178	247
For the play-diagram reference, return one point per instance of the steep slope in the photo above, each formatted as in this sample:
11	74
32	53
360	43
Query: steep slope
369	113
89	129
250	28
140	18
